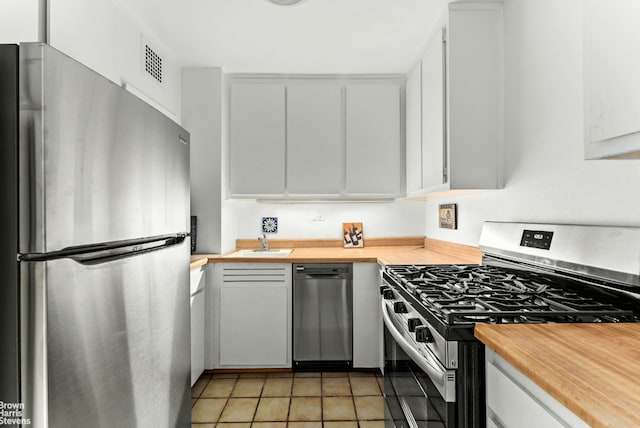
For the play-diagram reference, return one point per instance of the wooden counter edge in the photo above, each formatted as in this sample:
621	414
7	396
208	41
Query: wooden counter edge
198	261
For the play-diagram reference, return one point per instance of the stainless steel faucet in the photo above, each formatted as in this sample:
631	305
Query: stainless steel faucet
264	242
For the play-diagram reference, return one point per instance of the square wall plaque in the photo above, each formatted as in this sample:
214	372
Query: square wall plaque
448	216
269	224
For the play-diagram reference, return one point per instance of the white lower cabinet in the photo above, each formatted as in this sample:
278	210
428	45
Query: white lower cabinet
252	315
197	284
515	401
367	330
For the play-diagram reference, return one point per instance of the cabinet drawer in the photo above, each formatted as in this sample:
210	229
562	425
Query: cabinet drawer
264	272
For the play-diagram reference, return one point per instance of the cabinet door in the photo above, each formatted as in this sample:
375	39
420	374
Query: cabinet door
517	402
315	150
611	70
257	138
367	332
476	82
197	335
252	315
433	113
197	323
373	139
253	325
414	130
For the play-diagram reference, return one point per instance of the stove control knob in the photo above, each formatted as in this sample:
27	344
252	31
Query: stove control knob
423	334
399	308
413	323
388	294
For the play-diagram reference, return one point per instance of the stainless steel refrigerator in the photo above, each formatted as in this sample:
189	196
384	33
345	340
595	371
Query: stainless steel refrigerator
94	302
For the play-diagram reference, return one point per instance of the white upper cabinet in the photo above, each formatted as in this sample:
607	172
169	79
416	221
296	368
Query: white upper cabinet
257	135
315	153
413	131
316	138
434	138
461	104
476	83
612	86
20	21
426	124
373	139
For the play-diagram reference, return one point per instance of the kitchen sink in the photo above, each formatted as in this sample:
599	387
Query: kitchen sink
276	252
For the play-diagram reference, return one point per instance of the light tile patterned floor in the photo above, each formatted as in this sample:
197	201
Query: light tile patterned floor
288	400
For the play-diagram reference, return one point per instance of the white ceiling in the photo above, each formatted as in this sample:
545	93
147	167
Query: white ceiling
315	36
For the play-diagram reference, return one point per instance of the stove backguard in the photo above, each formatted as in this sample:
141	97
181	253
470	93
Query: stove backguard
609	254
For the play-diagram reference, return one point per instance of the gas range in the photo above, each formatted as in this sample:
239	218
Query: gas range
467	294
530	273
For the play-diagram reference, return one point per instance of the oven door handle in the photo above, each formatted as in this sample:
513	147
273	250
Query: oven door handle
443	379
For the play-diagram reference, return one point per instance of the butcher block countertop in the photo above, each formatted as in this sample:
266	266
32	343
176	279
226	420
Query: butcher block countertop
198	260
388	251
593	369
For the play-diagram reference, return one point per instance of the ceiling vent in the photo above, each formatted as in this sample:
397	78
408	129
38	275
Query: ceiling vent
151	61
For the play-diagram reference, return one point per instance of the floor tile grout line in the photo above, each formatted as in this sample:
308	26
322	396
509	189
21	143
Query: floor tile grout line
290	396
226	403
353	402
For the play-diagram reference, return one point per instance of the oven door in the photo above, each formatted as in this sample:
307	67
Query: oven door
419	391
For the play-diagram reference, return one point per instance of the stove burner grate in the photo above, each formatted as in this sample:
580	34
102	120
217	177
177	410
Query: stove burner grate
466	294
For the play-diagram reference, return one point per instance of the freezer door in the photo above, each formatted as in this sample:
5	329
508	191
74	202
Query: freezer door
97	164
108	344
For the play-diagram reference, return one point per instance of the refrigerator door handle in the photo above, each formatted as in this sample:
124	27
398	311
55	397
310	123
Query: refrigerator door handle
108	251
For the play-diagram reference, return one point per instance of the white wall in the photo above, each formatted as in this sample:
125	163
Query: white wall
242	219
106	36
202	116
546	176
21	21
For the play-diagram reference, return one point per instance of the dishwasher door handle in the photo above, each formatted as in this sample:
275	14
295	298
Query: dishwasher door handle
323	276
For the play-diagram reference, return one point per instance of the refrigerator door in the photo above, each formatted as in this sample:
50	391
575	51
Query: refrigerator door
108	343
97	164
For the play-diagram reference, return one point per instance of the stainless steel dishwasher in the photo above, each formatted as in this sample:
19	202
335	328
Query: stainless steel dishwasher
322	316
